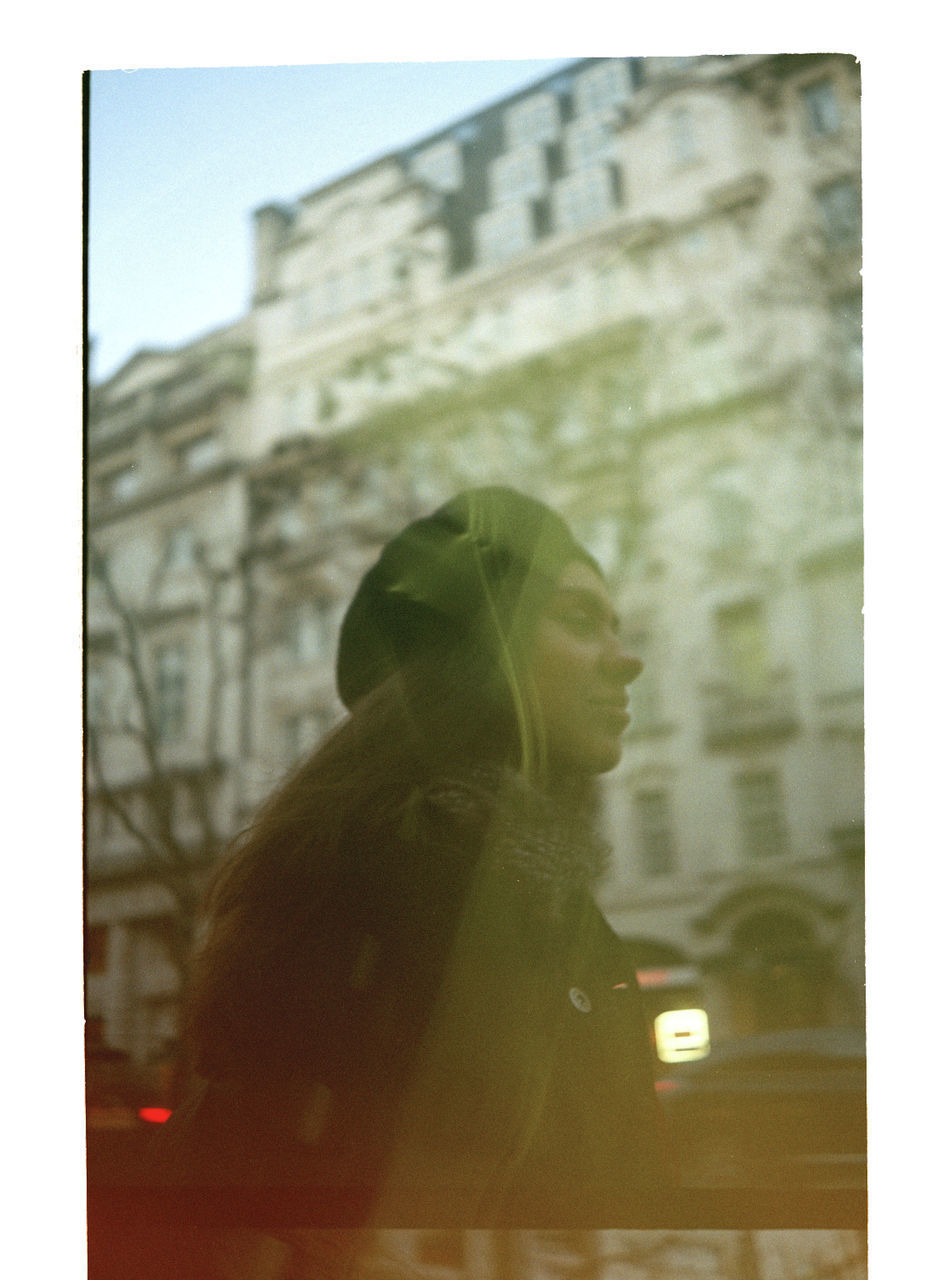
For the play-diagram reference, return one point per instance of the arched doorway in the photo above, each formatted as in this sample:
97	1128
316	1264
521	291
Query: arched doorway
781	977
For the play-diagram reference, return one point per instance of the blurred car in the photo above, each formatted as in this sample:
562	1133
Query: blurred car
787	1108
124	1107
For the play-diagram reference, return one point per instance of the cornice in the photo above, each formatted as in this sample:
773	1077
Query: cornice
112	512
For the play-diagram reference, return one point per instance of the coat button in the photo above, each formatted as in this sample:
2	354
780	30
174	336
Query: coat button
580	999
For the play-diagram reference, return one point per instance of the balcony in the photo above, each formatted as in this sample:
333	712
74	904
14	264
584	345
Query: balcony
731	716
227	372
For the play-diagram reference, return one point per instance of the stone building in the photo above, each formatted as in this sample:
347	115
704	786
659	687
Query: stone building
166	517
616	1255
632	289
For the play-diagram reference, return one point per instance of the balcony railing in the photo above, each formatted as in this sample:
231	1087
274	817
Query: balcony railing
228	371
732	715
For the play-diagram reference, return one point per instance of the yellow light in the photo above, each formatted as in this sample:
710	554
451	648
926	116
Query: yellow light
682	1035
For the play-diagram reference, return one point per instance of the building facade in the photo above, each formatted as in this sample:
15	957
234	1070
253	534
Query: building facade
633	290
167	513
616	1255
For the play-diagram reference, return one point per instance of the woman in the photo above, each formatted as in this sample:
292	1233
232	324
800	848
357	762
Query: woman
407	1002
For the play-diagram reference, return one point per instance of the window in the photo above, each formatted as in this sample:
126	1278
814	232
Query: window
503	233
840	209
838	632
180	548
290	520
602	535
683	137
729	517
95	695
535	119
301	733
200	453
760	808
294	409
304	309
322	300
655	830
708	365
583	197
307	630
361	282
847	314
644	692
318	301
99	564
695	242
124	483
518	175
785	974
741	637
822	107
729	511
586	143
170	691
602	87
440	166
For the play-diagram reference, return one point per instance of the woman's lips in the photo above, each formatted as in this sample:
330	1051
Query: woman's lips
616	714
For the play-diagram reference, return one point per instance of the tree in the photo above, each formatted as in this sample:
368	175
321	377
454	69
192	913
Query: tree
167	805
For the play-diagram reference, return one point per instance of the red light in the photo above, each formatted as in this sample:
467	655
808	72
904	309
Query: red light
154	1115
665	1086
652	977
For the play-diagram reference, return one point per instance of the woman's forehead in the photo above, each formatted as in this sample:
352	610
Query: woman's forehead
578	576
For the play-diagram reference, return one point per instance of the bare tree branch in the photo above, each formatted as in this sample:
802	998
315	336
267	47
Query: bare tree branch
167	853
133	658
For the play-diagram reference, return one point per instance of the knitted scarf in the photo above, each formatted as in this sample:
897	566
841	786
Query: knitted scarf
542	850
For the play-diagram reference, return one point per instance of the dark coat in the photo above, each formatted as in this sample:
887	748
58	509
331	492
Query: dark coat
475	1051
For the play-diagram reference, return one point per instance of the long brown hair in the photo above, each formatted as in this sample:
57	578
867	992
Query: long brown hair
432	662
297	877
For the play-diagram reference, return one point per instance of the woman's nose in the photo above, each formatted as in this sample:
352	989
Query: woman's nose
621	666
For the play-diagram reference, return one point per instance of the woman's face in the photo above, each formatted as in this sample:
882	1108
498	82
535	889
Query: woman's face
580	672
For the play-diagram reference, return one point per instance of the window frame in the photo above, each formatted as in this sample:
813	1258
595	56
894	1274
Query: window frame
171	690
519	174
754	817
683	136
602	88
817	125
199	453
841	226
500	236
571	197
124	482
180	547
655	832
537	119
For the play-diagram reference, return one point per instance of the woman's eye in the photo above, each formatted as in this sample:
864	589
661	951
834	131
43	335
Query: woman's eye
580	622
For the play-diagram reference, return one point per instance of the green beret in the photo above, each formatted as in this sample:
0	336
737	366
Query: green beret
453	578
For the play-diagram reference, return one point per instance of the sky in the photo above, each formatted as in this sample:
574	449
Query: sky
179	159
182	150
